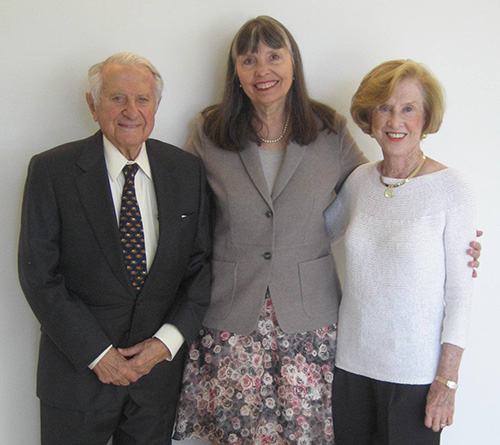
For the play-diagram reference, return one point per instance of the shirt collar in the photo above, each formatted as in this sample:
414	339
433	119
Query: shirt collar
115	161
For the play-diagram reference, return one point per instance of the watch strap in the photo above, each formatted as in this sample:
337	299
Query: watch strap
449	383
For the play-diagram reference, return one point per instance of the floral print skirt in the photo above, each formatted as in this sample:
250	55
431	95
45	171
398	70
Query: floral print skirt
267	387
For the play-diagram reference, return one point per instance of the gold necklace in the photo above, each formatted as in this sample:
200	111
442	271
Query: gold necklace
273	141
389	193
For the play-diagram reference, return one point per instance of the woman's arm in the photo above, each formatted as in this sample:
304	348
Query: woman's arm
441	398
459	229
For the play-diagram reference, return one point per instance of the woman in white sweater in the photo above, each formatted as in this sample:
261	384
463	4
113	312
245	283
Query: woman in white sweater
408	220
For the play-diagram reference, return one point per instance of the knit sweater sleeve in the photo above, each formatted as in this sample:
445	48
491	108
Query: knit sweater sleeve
458	233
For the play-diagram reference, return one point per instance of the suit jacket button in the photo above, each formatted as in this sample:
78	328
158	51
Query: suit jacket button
267	255
269	214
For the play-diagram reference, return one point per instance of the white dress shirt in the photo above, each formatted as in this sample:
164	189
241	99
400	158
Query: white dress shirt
146	198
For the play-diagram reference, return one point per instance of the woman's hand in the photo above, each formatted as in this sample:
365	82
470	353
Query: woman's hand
475	253
440	406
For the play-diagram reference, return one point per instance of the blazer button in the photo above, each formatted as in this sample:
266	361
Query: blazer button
267	255
269	214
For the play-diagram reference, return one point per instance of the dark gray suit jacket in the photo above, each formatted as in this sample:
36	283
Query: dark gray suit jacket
74	278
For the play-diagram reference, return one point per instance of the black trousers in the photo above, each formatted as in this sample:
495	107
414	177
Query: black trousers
371	412
124	420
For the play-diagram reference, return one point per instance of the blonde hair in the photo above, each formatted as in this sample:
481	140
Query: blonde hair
379	85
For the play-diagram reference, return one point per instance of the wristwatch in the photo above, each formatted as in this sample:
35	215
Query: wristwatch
449	383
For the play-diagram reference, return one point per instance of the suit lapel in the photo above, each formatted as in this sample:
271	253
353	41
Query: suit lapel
253	165
166	194
95	196
293	155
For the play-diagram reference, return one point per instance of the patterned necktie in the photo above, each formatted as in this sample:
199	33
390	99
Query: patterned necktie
131	231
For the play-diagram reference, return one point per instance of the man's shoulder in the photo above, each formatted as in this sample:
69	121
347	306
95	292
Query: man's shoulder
70	150
170	152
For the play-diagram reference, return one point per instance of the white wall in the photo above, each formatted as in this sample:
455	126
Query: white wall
46	47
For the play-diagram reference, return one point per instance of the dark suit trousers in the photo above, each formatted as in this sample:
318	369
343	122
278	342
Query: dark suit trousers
371	412
124	420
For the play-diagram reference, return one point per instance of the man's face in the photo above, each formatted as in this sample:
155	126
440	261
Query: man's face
126	106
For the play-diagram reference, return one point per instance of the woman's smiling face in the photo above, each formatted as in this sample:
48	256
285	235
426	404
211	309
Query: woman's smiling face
266	76
397	124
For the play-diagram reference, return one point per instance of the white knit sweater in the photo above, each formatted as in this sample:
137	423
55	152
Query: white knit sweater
408	285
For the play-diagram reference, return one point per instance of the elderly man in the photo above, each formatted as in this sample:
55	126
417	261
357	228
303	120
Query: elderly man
113	260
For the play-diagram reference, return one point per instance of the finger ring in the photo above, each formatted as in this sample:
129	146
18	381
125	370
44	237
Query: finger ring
443	425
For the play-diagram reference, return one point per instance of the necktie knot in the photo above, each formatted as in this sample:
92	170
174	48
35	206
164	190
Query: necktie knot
130	170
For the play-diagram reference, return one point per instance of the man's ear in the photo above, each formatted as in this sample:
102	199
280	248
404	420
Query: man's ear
158	103
90	102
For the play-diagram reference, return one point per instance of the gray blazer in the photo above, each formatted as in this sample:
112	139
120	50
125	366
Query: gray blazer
274	239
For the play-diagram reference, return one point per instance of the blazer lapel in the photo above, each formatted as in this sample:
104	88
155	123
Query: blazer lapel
95	195
293	156
253	165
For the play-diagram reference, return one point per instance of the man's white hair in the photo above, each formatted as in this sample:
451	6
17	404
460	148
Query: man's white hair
122	58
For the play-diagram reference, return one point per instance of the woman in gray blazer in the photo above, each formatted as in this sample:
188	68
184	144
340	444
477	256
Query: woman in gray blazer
261	369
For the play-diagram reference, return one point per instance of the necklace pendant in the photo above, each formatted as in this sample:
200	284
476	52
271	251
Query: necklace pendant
389	193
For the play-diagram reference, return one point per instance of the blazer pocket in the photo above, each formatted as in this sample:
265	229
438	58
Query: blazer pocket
223	289
320	286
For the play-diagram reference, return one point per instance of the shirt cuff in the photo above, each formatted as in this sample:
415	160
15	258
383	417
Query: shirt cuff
98	359
171	337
